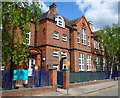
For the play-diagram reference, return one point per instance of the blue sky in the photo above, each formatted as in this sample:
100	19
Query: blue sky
67	9
100	12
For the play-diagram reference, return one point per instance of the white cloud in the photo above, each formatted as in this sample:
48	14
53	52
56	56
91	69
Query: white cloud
101	13
44	7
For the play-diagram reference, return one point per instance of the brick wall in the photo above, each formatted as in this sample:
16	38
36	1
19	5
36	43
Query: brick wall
41	34
50	59
47	42
32	35
51	28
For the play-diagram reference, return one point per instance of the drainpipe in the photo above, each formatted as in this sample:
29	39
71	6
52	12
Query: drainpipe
69	50
41	60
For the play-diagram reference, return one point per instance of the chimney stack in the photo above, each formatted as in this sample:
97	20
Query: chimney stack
53	7
90	24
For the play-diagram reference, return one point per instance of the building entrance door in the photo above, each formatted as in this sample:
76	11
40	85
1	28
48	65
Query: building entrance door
30	67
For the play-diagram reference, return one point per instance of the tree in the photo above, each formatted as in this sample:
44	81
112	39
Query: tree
16	21
109	37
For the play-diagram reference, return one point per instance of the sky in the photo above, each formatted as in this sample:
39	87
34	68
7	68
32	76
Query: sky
100	12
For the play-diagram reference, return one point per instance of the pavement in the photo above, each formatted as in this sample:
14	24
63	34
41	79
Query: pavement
82	90
109	92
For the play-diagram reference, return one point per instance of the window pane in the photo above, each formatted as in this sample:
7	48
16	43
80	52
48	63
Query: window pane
28	38
78	37
55	53
56	35
64	37
88	41
81	61
84	36
56	66
78	34
64	54
27	35
88	62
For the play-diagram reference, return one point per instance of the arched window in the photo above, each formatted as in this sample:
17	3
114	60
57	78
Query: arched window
60	21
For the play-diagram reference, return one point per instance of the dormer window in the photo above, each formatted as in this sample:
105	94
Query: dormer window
60	21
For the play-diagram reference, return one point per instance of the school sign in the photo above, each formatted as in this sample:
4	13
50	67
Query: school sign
20	74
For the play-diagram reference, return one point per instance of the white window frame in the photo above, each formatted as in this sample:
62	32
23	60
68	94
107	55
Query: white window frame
88	41
60	21
64	37
89	67
78	37
28	38
98	45
102	47
81	61
94	44
97	60
56	35
2	67
30	66
84	36
56	53
65	66
63	53
56	66
104	64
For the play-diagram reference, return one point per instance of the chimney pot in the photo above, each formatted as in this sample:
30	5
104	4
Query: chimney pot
53	7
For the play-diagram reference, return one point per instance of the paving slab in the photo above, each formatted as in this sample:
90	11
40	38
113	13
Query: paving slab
92	88
52	94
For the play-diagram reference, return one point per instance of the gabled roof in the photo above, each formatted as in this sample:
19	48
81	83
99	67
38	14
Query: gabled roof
51	15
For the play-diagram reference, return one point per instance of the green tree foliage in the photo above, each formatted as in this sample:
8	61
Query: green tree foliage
109	37
17	16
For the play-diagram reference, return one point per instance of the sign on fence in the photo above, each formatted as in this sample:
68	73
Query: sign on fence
20	74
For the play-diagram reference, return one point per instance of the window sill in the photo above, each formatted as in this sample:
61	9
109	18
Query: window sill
56	38
81	70
89	70
64	41
84	45
56	56
60	26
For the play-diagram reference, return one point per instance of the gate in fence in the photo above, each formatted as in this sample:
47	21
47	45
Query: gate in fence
60	79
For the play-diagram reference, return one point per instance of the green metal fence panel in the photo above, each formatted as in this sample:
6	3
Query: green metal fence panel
86	76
